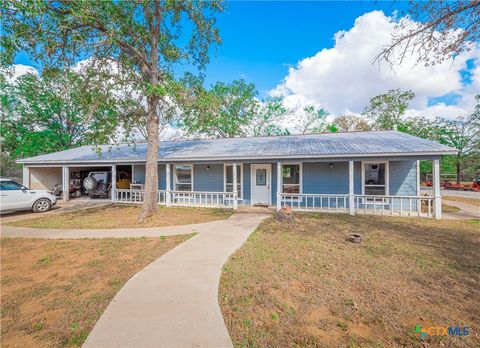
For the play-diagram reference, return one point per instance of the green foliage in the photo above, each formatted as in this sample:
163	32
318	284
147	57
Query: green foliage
230	110
57	111
462	134
386	110
313	120
142	39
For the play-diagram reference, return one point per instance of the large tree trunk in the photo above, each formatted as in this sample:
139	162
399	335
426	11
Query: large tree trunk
150	200
459	167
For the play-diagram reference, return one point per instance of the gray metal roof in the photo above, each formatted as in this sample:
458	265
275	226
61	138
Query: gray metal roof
327	145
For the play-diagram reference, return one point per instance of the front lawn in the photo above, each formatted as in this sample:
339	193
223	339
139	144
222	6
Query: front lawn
123	216
53	291
304	284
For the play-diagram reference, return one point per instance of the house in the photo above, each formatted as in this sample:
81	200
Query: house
357	172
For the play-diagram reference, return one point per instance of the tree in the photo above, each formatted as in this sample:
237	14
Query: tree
229	110
386	110
463	134
57	111
144	38
436	30
222	111
351	123
267	118
312	120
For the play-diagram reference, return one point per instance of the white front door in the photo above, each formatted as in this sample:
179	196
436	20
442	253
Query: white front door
261	183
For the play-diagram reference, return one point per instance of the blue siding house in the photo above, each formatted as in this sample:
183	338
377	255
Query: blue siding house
357	172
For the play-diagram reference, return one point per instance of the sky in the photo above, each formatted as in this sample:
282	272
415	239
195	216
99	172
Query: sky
320	53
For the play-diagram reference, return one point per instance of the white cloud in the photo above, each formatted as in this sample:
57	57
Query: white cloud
343	79
17	70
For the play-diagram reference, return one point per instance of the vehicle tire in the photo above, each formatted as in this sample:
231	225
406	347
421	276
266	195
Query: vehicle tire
42	205
89	183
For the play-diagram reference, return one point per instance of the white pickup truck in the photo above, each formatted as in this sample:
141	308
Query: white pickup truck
15	197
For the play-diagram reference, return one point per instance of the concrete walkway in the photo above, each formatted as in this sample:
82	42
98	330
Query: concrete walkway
53	233
173	302
467	211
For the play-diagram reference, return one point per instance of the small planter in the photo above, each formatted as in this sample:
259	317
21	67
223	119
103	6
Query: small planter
355	238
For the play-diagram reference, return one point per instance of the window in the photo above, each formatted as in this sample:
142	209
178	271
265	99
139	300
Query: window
183	178
375	179
9	186
229	179
291	178
261	177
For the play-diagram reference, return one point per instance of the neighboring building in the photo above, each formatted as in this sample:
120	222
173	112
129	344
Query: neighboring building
357	172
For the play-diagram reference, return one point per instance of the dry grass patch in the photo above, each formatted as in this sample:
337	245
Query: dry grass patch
123	216
303	284
53	291
466	200
447	208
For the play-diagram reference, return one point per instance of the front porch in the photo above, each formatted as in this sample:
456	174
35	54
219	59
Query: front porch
375	186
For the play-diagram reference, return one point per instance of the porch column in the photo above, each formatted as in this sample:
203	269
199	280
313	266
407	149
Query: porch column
351	198
114	184
437	204
66	182
279	185
26	176
235	189
168	197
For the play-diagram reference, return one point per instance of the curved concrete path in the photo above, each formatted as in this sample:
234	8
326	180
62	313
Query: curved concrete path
173	302
53	233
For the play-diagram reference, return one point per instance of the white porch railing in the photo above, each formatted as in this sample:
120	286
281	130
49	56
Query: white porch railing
362	204
136	196
316	202
180	198
395	205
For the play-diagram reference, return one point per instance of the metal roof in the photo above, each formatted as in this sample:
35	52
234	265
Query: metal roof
326	145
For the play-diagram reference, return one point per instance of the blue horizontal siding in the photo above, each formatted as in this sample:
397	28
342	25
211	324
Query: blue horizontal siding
403	181
139	175
320	178
208	177
317	177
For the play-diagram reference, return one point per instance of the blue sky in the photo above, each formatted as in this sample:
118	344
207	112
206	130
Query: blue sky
261	39
288	49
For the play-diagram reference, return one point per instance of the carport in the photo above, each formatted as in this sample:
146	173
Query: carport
45	177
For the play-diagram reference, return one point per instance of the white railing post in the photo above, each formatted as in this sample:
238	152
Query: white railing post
114	183
235	188
437	205
351	203
279	186
168	197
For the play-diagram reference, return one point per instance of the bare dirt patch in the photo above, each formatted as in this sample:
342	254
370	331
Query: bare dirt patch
119	216
53	291
304	284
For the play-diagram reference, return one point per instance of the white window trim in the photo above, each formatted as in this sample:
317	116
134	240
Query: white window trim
175	175
300	167
387	175
225	165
